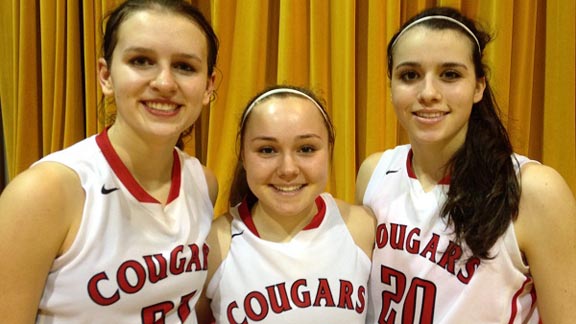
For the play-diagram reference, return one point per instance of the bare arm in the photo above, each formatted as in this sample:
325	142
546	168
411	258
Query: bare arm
219	241
546	231
35	218
361	223
364	174
212	184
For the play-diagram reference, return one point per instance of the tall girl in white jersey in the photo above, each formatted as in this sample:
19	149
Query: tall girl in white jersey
113	228
468	231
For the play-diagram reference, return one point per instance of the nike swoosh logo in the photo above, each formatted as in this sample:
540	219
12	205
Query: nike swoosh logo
236	234
391	171
106	191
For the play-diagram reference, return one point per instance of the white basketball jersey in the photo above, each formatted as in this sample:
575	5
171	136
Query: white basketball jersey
133	260
420	275
320	276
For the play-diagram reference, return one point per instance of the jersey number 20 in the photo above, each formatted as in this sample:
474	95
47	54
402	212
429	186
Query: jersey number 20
417	301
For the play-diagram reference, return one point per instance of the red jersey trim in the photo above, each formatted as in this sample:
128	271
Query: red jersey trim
319	217
514	305
126	177
246	216
412	174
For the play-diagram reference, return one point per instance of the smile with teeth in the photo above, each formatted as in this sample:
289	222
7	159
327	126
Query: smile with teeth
161	106
288	188
429	115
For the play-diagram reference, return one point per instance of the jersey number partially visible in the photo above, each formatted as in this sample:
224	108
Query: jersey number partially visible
418	301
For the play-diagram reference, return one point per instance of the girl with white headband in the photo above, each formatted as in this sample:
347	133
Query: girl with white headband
287	252
467	230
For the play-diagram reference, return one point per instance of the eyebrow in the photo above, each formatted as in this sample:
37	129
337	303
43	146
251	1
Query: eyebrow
444	65
144	50
273	139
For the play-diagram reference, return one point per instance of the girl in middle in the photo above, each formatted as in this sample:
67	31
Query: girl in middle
287	252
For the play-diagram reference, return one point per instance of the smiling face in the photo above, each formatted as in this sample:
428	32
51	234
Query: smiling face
434	85
285	153
158	76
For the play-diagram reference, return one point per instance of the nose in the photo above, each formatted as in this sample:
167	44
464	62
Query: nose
288	167
163	81
429	91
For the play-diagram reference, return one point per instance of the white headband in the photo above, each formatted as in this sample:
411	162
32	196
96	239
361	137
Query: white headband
440	18
281	90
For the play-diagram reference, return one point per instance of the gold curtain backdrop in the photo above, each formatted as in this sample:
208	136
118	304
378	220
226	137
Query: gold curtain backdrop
50	97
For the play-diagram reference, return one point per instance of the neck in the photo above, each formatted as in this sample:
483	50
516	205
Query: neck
149	163
280	228
430	164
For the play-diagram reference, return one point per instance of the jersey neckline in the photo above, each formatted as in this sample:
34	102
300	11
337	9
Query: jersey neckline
246	216
128	180
412	174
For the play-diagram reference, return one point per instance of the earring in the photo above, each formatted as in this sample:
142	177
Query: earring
212	96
